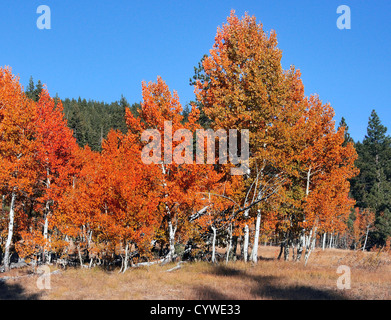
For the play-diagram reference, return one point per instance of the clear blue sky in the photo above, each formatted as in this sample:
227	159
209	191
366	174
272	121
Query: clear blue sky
101	49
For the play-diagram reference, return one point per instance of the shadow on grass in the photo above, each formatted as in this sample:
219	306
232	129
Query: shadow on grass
207	293
266	287
9	291
260	258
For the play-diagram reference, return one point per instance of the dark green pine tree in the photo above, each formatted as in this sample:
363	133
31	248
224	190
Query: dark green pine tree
348	138
185	113
33	91
118	114
76	123
199	75
383	227
372	187
30	90
38	89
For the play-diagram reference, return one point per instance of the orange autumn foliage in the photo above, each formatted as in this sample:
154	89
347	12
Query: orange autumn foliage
80	204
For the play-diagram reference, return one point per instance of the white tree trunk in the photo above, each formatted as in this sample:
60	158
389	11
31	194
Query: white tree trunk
214	244
126	258
310	245
80	256
46	233
304	239
246	238
246	242
171	229
46	225
324	241
307	190
331	240
229	243
254	256
366	239
10	233
171	235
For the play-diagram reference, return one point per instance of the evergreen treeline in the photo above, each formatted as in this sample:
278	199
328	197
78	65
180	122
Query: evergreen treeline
90	120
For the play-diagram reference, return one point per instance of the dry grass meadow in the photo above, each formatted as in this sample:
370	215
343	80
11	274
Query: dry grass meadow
269	279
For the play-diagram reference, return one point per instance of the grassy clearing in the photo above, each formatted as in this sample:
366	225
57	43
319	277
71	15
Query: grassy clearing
269	279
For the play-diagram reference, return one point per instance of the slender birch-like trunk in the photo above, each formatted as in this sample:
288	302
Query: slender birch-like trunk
307	191
80	257
303	241
10	233
126	258
324	241
246	230
229	243
331	240
214	244
171	228
171	239
308	247
366	239
254	255
46	233
246	238
311	246
46	225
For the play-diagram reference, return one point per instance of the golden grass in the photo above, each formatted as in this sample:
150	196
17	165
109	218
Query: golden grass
269	279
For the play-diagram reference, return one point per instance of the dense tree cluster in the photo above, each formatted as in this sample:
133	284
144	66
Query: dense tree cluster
75	187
